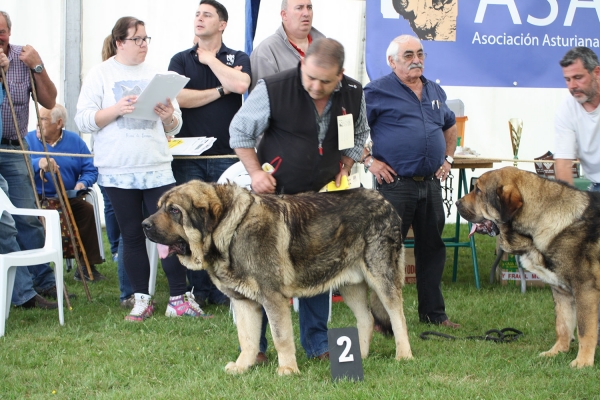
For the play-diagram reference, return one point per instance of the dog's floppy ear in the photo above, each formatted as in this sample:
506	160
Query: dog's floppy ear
206	212
510	201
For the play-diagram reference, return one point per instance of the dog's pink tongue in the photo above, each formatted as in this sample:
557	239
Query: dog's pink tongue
473	229
163	251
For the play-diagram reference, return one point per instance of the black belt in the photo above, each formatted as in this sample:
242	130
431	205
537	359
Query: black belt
11	142
418	178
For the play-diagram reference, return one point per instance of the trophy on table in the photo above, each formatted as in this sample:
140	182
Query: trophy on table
515	125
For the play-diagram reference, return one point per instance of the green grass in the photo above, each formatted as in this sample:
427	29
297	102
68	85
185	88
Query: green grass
97	354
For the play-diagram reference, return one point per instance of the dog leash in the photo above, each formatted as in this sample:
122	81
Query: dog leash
505	335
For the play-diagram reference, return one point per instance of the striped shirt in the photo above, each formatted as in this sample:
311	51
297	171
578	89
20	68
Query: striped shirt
19	87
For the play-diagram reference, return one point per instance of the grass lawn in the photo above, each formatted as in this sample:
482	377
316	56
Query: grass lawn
97	354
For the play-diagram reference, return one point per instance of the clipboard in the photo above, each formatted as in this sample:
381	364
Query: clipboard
157	91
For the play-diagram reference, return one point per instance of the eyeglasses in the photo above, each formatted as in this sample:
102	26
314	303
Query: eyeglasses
138	40
409	56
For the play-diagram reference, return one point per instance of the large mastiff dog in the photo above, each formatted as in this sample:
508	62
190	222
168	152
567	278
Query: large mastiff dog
556	231
261	250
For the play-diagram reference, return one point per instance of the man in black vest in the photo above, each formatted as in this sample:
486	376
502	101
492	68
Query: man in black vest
299	111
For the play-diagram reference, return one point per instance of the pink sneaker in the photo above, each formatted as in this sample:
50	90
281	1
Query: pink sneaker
185	304
143	308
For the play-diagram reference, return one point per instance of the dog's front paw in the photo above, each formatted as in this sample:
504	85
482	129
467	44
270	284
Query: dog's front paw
288	370
580	363
234	369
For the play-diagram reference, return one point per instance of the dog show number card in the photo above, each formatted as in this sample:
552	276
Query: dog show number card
344	354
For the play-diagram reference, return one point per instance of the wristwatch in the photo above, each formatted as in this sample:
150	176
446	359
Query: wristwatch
221	91
450	160
38	68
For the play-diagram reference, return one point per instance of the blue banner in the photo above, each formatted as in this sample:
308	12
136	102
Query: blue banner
493	43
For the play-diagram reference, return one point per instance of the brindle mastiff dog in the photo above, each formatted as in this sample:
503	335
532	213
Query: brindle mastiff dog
261	250
556	231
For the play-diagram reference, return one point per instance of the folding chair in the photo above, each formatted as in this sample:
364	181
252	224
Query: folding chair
51	252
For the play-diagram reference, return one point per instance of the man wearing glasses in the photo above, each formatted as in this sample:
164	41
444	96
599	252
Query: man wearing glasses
218	78
414	138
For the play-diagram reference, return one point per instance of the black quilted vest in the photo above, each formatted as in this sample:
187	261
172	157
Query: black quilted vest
292	134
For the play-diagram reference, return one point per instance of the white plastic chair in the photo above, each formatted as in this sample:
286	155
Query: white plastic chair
237	174
152	251
51	252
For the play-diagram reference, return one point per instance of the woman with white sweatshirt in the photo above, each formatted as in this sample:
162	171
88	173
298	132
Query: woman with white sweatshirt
133	158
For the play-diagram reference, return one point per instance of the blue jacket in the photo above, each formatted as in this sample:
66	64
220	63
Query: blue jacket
72	169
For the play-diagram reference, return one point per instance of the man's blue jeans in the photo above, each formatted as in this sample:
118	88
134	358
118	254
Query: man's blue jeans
207	170
313	313
23	288
112	226
30	231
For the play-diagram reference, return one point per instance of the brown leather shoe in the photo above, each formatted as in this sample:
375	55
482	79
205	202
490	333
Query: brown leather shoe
449	324
261	358
324	356
51	292
38	301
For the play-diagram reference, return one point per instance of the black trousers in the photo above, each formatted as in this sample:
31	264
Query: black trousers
128	205
420	204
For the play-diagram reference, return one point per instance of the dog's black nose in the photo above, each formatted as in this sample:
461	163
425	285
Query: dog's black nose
147	225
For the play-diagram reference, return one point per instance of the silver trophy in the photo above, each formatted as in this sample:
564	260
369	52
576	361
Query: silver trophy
515	125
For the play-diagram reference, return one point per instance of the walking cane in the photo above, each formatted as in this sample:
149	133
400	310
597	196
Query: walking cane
65	206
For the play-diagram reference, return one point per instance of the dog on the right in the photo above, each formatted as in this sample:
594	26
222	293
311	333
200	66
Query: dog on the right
555	229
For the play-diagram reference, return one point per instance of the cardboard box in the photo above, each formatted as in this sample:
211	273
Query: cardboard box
512	276
509	274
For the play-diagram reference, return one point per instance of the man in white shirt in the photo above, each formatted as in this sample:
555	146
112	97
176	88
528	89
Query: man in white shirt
577	122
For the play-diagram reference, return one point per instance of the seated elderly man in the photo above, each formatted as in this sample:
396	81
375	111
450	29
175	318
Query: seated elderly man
78	173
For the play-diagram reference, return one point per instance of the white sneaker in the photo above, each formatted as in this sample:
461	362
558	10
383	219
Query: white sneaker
143	308
185	305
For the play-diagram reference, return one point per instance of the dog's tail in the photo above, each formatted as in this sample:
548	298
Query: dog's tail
383	324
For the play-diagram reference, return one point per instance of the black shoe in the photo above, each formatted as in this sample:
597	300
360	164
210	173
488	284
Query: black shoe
51	292
95	273
38	301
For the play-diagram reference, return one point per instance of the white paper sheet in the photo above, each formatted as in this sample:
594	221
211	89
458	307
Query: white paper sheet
157	91
190	146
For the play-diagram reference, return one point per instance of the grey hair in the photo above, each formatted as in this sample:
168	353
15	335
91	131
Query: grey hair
326	52
394	47
586	55
7	18
284	4
58	112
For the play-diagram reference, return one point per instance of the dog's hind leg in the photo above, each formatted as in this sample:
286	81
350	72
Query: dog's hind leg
564	308
355	297
586	303
277	308
391	298
248	314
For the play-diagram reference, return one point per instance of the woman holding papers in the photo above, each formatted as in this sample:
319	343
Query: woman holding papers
133	159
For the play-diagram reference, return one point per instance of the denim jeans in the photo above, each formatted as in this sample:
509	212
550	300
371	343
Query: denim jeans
313	325
112	226
30	232
207	170
23	287
419	203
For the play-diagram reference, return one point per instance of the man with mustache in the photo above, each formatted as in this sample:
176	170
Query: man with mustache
414	138
577	121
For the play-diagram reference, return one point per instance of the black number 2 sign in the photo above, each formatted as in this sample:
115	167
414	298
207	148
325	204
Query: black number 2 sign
344	354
